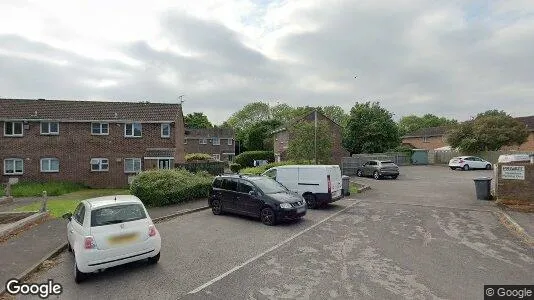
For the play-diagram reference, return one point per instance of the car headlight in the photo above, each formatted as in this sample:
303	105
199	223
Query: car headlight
285	205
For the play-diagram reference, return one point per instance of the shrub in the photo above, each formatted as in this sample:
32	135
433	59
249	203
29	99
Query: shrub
259	170
235	167
246	159
212	167
197	156
35	189
165	187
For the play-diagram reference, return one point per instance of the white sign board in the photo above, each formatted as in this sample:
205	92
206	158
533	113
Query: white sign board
513	172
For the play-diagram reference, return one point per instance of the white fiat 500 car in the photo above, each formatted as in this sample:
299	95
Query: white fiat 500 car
109	231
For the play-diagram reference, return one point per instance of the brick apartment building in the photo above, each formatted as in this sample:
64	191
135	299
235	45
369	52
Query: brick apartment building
101	144
217	142
282	137
434	137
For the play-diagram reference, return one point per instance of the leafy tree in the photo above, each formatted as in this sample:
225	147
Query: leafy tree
197	120
282	112
413	123
249	115
370	129
337	114
489	131
302	142
255	136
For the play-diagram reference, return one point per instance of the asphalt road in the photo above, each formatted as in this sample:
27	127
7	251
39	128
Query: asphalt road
421	236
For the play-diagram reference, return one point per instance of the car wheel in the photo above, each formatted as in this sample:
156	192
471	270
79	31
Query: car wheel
488	167
78	276
359	173
466	168
216	207
267	216
452	168
394	176
154	259
376	175
69	248
311	201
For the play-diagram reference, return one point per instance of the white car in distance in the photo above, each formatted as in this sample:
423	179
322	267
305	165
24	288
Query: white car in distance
109	231
467	163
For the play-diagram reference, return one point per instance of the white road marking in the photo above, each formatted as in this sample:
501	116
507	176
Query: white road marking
214	280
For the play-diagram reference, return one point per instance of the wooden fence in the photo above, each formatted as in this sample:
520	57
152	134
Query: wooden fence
443	157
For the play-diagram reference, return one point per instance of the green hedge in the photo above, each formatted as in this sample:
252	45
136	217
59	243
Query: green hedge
165	187
259	170
247	158
197	156
235	167
212	167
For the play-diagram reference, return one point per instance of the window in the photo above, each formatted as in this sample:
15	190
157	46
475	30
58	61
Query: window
99	128
13	166
133	130
202	141
132	165
165	130
216	141
117	214
246	187
216	156
99	164
229	184
217	183
271	174
13	129
49	165
164	163
79	214
230	142
49	128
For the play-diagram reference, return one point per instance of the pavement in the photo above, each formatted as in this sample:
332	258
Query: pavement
422	236
28	248
525	220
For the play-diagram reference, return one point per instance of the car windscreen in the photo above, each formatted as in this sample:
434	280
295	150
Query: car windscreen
117	214
269	186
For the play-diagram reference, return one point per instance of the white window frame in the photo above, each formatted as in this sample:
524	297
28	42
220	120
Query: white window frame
133	130
14	166
13	126
425	139
168	160
218	141
216	156
48	127
100	126
202	141
49	159
230	142
134	159
169	127
100	163
185	141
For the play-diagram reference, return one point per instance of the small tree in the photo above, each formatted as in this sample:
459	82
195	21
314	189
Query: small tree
197	120
489	131
302	142
370	129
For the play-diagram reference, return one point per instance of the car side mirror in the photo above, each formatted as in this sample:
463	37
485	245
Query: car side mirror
67	216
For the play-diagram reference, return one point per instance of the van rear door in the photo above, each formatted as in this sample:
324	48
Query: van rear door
335	180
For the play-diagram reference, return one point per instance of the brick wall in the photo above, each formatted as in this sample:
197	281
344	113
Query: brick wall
522	190
193	146
430	143
75	146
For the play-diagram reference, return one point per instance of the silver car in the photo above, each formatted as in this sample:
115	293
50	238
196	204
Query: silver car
378	169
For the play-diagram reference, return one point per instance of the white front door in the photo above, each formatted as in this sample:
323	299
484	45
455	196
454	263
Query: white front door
164	164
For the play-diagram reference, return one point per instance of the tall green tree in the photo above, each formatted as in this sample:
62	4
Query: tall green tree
370	129
302	142
249	115
197	120
489	131
256	136
336	114
413	123
282	112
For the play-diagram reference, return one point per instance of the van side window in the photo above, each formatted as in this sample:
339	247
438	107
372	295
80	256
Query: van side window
271	173
229	184
245	186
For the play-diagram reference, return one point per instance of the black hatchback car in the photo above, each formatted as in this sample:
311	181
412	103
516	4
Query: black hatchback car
255	196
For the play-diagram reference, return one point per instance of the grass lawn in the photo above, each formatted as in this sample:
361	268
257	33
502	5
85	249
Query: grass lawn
353	188
68	202
35	189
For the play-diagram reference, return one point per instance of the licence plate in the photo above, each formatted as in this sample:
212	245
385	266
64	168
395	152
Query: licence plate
123	239
300	210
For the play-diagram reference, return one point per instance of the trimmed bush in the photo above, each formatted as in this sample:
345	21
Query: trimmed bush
197	156
235	167
247	158
170	186
259	170
212	167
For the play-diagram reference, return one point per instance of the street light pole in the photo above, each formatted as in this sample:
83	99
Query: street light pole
315	134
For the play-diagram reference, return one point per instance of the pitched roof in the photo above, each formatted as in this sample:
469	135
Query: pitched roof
210	132
68	110
528	120
430	131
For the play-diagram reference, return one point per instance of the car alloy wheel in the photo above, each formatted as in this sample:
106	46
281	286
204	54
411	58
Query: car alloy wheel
359	173
267	216
311	201
376	175
466	168
216	207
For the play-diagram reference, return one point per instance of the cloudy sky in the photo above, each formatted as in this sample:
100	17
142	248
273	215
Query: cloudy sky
447	57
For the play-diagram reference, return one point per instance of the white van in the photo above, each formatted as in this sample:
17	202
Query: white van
318	184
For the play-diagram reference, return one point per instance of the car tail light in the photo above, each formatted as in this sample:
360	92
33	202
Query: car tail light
89	242
329	183
152	230
461	161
